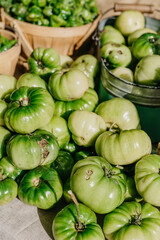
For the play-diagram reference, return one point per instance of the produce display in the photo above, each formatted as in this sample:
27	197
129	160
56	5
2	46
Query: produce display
59	142
131	50
63	13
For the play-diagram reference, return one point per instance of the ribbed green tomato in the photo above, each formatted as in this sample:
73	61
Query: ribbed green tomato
8	190
88	102
44	62
29	151
132	221
116	55
29	109
40	187
147	178
68	84
3	108
5	135
136	34
129	21
147	70
123	148
97	184
146	44
89	65
119	112
31	80
7	83
63	164
58	126
66	227
85	127
111	34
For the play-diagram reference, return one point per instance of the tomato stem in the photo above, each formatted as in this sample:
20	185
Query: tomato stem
107	172
136	219
24	101
79	225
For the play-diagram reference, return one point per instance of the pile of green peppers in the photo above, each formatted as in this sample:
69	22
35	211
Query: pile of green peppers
6	44
61	13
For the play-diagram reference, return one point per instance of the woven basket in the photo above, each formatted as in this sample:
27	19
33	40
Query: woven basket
9	58
65	40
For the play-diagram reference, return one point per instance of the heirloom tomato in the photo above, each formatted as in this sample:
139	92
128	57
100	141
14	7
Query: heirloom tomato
97	184
147	178
40	187
29	109
68	226
124	147
132	221
31	150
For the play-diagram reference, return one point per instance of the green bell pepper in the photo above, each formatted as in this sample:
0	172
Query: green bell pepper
19	10
47	11
40	3
34	14
57	21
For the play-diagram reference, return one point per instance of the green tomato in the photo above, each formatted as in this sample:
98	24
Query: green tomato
97	184
65	61
124	73
132	220
7	84
147	178
84	153
29	109
136	34
116	55
147	44
5	135
89	65
3	108
59	128
87	102
129	21
63	164
68	85
44	62
40	187
85	127
131	192
71	147
111	34
31	80
123	148
42	149
67	226
7	169
8	190
119	112
147	71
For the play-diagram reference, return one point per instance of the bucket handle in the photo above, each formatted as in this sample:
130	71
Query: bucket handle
120	7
